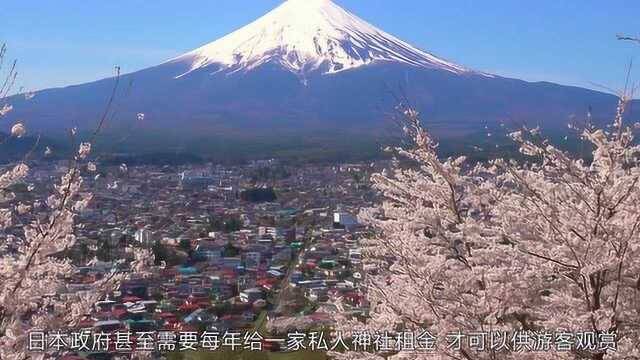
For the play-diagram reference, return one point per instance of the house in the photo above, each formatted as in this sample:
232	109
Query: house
267	284
251	295
317	294
282	254
208	251
252	259
200	316
231	262
248	315
145	237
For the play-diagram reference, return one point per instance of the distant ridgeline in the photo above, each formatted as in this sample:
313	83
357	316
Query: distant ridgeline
307	82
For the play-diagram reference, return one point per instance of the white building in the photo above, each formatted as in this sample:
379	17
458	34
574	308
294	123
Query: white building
344	219
145	237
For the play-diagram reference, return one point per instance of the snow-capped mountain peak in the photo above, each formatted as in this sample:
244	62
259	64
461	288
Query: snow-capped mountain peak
305	36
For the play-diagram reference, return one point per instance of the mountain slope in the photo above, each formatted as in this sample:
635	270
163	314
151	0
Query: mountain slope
306	68
310	35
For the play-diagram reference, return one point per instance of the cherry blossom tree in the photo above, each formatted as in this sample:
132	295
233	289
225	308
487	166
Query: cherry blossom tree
514	249
34	271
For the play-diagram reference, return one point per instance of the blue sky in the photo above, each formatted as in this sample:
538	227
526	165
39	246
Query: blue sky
63	42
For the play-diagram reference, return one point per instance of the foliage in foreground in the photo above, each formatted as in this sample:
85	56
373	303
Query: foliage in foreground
545	245
34	268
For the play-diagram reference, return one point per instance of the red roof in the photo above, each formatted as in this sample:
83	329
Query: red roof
119	313
269	281
188	307
130	298
185	327
353	296
166	315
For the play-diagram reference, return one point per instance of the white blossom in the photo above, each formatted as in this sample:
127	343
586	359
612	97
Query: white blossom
551	244
23	209
84	150
36	270
5	109
5	218
18	130
6	196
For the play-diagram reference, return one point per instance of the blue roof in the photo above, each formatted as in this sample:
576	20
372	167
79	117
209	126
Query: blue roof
187	270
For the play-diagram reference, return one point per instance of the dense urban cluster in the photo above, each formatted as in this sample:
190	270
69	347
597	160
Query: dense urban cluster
261	247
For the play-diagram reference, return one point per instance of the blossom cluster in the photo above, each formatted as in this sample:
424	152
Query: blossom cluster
550	242
34	274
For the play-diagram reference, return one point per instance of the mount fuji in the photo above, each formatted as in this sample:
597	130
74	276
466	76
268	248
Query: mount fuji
310	36
306	68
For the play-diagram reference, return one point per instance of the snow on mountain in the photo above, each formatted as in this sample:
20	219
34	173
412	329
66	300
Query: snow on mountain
306	36
280	89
